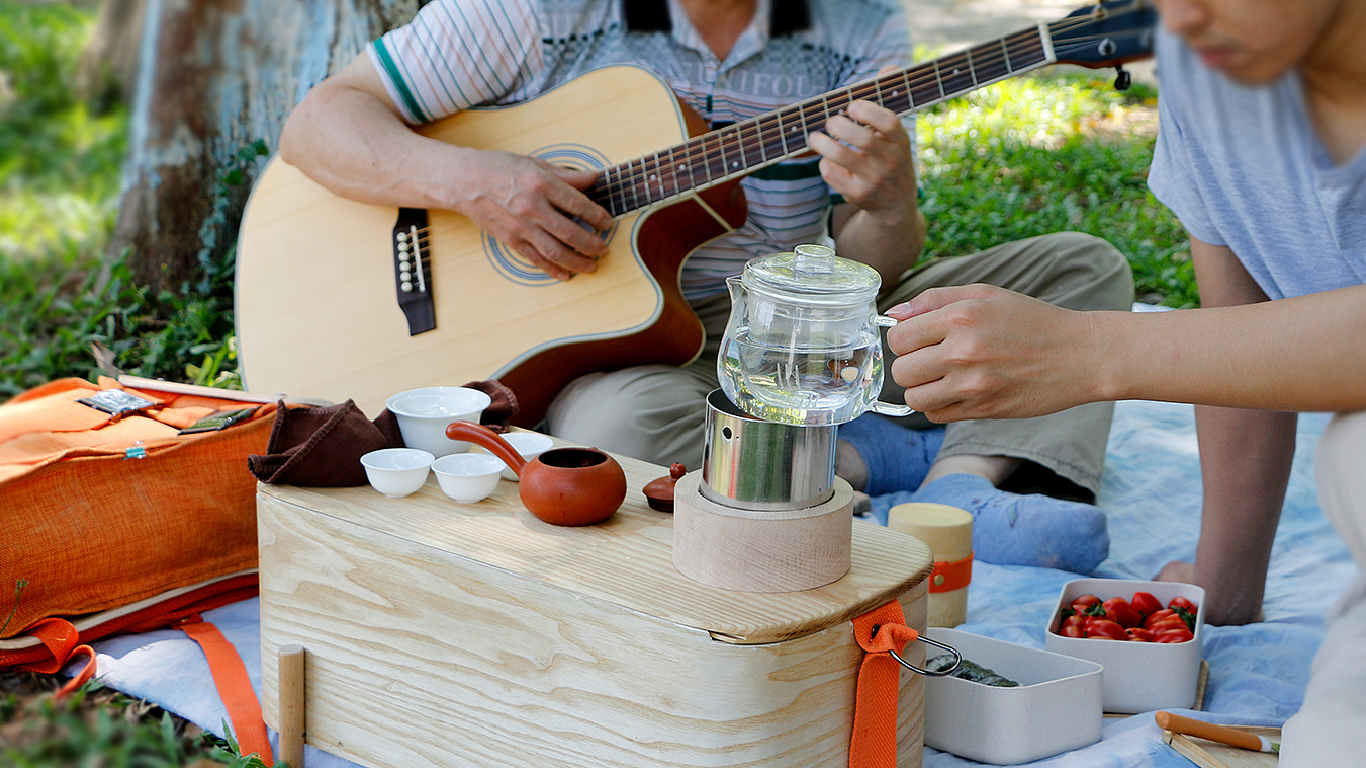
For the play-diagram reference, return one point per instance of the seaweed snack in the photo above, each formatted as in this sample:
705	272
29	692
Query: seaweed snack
967	670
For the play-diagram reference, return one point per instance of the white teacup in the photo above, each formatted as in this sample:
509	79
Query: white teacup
468	477
396	472
423	415
529	445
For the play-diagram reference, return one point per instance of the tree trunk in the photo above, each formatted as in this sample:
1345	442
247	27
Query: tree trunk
214	78
110	61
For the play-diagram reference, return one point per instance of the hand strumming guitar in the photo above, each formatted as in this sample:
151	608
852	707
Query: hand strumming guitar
527	204
374	157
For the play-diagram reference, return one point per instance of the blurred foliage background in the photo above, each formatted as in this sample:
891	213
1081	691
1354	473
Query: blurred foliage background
60	157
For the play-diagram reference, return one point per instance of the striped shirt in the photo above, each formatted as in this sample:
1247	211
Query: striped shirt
464	53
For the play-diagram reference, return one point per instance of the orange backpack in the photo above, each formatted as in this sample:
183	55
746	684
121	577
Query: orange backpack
125	521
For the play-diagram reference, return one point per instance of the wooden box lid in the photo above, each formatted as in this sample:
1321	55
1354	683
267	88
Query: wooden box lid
625	561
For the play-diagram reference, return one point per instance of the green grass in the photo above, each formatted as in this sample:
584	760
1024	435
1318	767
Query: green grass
1044	154
100	728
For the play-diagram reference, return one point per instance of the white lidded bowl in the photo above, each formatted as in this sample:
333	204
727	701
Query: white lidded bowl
1055	708
423	415
468	477
397	472
1139	677
529	445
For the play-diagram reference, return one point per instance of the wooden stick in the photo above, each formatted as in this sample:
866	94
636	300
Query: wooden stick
159	385
292	705
1222	734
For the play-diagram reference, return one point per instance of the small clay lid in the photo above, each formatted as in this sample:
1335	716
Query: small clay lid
659	492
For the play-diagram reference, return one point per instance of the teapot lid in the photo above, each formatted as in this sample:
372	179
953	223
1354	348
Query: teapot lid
812	274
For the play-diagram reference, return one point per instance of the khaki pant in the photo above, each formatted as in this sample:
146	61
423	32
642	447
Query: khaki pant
657	412
1327	729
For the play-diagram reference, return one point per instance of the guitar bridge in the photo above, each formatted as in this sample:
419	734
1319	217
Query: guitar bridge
412	270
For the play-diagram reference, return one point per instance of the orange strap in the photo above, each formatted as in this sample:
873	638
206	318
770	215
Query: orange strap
950	575
884	629
63	642
234	687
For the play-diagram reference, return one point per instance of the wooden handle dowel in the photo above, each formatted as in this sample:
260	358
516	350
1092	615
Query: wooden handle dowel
1192	727
292	705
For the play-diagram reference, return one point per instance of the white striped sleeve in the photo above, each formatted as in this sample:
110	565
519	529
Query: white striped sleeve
457	54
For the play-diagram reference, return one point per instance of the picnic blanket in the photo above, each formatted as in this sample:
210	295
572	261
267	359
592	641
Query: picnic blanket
1151	495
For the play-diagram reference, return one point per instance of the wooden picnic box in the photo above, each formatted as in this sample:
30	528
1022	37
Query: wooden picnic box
441	634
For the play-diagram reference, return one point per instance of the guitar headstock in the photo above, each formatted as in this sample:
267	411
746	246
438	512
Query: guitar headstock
1106	34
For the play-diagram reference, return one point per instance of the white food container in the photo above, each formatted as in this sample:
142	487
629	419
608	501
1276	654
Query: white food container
1056	708
1139	677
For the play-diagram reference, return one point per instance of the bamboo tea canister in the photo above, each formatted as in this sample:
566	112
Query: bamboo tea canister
948	532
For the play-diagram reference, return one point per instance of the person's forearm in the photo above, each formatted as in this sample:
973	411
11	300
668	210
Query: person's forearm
354	144
1245	458
1301	354
891	244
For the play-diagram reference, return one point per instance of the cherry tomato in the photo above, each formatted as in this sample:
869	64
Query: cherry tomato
1181	602
1174	636
1171	622
1072	622
1157	616
1145	604
1140	634
1118	610
1104	628
1186	616
1085	601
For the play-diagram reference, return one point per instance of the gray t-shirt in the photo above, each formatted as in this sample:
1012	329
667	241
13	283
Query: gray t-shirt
1242	166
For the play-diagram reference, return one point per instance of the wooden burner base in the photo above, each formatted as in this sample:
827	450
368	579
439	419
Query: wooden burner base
761	551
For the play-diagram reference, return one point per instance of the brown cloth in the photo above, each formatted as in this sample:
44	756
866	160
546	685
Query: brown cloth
321	446
498	416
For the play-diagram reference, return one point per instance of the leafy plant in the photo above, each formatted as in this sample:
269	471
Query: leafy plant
1047	153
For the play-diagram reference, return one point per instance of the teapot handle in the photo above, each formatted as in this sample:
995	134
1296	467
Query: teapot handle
891	409
488	439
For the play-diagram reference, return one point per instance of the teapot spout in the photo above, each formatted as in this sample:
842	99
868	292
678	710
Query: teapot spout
489	440
736	288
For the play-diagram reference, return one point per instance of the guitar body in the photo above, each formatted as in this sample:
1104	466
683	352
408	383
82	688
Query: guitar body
317	314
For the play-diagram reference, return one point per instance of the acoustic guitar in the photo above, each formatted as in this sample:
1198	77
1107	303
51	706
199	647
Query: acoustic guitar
338	299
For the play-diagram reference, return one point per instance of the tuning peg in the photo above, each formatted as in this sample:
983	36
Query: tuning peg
1122	79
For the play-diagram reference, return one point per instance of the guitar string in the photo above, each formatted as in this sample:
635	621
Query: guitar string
1002	50
639	171
757	135
754	138
747	144
766	136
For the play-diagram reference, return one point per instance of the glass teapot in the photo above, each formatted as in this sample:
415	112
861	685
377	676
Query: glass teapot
802	346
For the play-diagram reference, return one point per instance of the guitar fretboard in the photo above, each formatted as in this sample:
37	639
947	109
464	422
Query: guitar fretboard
744	147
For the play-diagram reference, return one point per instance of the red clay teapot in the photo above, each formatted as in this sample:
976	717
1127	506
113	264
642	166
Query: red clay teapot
561	486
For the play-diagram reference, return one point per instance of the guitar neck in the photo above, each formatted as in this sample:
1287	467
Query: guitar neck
744	147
